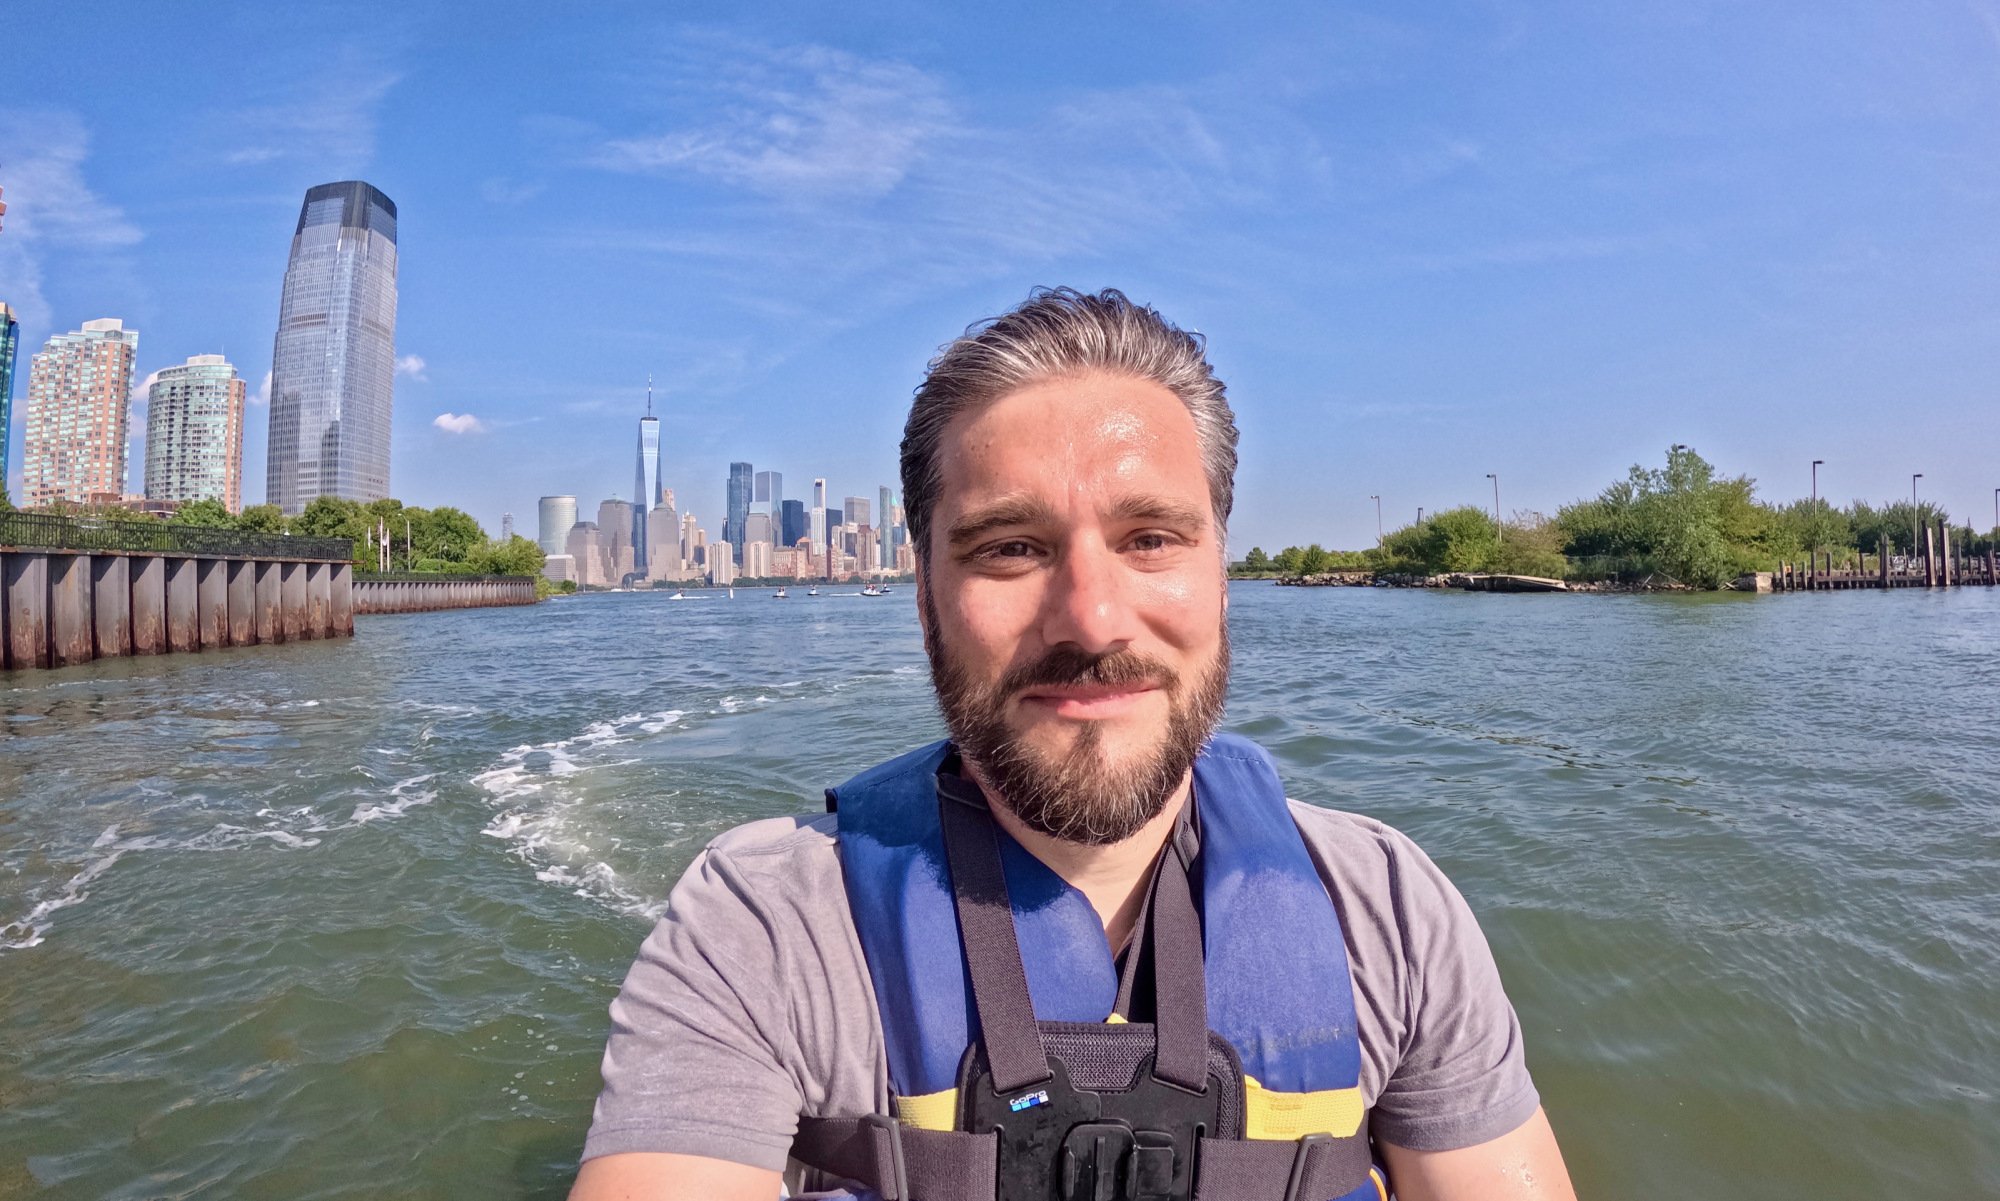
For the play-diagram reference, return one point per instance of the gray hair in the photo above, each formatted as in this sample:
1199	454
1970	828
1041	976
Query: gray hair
1054	333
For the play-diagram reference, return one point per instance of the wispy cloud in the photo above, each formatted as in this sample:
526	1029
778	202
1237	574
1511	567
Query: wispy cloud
459	423
326	117
799	122
412	365
51	209
261	394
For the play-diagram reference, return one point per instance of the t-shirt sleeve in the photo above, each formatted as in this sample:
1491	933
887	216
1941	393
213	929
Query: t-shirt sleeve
701	1035
1461	1078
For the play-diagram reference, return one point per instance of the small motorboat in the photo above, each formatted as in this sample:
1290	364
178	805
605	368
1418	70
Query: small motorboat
812	592
780	594
871	590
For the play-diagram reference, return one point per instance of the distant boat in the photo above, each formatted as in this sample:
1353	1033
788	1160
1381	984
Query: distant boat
778	595
883	590
678	595
871	590
812	591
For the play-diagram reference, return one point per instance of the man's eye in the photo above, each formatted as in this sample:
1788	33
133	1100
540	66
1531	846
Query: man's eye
1151	543
1012	549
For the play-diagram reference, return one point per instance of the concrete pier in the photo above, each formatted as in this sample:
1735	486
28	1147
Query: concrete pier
149	605
111	592
60	607
422	594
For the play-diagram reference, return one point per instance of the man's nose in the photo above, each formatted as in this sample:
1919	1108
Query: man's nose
1088	604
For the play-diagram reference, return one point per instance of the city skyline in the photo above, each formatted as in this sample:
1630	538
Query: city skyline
1424	246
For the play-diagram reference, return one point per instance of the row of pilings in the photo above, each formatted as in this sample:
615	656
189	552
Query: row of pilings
417	594
62	608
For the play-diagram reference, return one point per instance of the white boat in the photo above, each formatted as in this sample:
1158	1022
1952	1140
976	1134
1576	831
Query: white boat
812	592
871	590
780	594
678	595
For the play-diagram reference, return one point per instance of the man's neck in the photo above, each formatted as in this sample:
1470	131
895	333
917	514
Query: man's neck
1112	877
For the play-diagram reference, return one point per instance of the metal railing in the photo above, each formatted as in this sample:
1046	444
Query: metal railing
432	577
48	531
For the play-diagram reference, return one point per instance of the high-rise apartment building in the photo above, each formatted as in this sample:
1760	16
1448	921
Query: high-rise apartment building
10	349
506	527
79	416
555	514
742	486
194	433
690	540
333	366
645	483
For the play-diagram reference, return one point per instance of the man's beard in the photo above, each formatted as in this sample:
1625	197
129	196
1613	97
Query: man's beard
1074	795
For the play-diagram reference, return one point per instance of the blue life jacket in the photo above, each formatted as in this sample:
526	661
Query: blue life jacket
1277	981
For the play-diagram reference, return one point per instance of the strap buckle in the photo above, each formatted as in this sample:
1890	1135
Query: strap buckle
1299	1158
1110	1161
897	1177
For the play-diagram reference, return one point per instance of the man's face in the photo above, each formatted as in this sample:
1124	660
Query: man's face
1073	601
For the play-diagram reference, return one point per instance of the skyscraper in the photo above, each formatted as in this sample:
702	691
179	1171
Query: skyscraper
818	530
506	527
792	524
10	346
885	551
333	366
194	433
614	539
742	485
556	515
79	416
770	496
645	483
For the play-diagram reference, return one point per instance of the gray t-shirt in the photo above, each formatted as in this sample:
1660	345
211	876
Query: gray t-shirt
750	1003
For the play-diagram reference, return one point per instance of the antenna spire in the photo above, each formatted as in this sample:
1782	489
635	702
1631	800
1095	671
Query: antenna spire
649	394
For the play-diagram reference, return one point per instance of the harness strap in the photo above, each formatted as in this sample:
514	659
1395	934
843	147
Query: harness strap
1180	993
1312	1169
992	950
903	1163
900	1162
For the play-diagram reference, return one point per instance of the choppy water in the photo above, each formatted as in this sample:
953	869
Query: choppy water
342	919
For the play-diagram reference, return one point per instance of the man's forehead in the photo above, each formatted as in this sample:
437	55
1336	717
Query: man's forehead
1096	432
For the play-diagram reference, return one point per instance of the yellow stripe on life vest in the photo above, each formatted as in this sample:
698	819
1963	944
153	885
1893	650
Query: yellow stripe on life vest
931	1111
1291	1116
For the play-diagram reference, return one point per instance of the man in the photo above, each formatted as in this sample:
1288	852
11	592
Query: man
1292	1002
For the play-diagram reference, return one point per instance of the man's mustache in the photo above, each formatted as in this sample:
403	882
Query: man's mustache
1068	667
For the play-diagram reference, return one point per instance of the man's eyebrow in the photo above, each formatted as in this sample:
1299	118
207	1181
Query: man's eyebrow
1008	511
1162	509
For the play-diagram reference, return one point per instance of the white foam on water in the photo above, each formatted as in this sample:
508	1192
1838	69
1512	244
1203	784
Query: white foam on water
294	829
545	820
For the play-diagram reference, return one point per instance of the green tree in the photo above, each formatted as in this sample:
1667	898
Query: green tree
1290	561
1256	560
207	512
1461	539
447	533
261	519
1315	561
516	556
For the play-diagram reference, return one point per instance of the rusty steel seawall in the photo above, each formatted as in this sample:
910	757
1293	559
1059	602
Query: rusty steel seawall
416	595
59	608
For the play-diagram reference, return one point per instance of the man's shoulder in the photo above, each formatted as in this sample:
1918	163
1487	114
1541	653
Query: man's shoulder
804	835
1340	839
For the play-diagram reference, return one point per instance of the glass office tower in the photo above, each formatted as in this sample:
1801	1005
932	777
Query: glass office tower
742	486
10	347
555	515
645	482
334	363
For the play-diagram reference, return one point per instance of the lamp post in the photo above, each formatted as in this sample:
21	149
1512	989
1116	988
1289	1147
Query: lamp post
1913	513
1996	509
1815	506
1497	532
1378	520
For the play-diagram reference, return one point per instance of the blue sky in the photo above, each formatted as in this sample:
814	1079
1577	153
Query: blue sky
1425	242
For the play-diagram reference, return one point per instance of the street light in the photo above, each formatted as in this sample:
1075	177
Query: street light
1996	509
1497	532
1913	513
1815	506
1378	519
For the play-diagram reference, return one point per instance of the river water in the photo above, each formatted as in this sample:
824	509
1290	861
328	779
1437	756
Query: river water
342	919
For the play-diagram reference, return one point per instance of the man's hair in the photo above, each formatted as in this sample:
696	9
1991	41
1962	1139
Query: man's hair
1061	332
